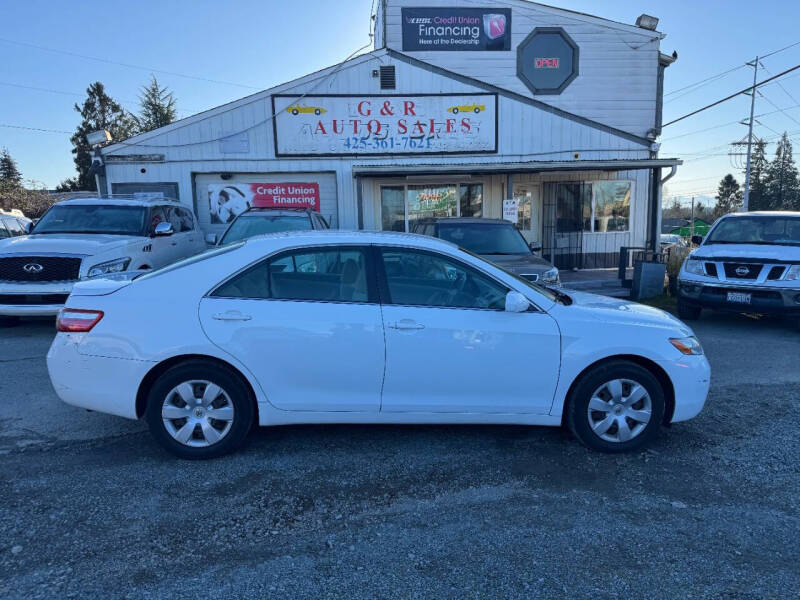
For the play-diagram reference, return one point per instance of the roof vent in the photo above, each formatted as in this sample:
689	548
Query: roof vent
647	22
388	79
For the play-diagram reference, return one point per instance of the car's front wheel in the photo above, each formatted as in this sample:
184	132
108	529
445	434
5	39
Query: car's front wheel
616	407
199	409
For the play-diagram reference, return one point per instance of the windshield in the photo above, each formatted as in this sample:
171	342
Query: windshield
246	227
778	230
485	238
93	218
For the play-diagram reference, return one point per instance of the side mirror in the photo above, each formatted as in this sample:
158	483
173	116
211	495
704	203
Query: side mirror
516	302
535	247
163	229
29	226
211	239
697	240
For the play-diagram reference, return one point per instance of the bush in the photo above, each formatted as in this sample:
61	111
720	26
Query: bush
677	254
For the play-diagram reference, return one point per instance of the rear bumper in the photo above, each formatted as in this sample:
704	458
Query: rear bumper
764	299
98	383
19	299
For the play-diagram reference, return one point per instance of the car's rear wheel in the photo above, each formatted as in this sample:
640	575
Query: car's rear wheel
616	407
199	409
688	312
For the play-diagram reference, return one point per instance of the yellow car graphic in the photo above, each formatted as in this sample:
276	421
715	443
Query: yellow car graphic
476	108
296	109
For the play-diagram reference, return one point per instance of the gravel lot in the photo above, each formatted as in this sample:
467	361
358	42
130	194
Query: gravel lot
91	508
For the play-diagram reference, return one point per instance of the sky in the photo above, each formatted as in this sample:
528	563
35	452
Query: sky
248	45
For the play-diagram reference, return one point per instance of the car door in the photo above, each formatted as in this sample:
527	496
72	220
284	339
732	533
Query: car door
189	240
307	323
450	345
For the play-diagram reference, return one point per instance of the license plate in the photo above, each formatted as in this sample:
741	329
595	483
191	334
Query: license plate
740	297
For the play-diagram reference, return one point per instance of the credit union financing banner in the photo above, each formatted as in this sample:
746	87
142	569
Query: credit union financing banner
228	200
320	125
454	29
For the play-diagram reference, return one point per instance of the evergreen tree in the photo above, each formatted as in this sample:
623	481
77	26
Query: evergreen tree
158	107
99	111
758	165
780	179
729	196
9	173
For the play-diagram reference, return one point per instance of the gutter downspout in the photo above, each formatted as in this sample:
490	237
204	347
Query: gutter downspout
655	204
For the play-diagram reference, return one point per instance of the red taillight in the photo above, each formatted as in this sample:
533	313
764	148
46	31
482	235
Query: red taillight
77	320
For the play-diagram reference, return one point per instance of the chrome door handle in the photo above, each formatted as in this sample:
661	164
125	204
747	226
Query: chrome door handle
407	325
231	316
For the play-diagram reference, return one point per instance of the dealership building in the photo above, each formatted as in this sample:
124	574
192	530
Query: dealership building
493	108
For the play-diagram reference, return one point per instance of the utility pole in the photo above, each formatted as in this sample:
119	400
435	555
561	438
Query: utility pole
746	205
692	222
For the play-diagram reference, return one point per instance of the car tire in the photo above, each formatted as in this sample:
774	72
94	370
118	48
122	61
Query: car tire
688	312
9	321
189	430
603	429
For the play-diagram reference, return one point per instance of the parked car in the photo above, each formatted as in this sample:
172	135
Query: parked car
13	225
672	240
496	240
87	237
748	262
358	327
258	221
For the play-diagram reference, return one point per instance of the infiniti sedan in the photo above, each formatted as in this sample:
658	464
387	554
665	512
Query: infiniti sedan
356	327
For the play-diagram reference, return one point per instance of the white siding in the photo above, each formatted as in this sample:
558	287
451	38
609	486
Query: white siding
617	84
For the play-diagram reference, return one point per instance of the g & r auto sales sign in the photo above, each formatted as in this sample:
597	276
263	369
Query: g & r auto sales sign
320	125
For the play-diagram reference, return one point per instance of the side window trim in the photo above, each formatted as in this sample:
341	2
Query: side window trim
369	266
383	282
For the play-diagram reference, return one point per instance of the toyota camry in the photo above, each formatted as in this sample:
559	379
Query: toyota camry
357	327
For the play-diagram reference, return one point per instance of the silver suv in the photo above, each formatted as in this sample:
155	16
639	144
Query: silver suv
748	262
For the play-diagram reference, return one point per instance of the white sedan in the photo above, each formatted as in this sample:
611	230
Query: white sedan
356	327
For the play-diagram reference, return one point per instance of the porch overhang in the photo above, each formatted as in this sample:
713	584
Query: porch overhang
399	170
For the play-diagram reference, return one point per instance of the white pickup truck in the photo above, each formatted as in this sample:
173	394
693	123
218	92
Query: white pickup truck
748	263
82	238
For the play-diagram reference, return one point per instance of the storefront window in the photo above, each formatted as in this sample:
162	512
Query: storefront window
428	201
573	207
612	205
393	214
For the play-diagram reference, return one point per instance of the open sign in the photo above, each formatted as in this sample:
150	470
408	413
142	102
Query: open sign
546	63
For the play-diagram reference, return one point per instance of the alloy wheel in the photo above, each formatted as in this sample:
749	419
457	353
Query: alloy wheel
619	410
197	413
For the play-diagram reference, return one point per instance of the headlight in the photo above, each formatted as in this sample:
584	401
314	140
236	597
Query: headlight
793	273
111	266
687	345
695	267
551	277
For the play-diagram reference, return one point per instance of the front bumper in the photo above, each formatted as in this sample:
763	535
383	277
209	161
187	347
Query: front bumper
691	379
765	299
18	299
99	383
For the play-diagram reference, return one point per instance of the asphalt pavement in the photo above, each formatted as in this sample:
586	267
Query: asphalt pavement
90	507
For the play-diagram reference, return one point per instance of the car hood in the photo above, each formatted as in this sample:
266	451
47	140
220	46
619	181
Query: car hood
747	251
519	263
63	243
616	310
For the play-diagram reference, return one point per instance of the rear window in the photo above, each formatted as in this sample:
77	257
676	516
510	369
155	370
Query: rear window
248	226
190	261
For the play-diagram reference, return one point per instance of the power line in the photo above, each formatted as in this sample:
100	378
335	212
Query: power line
768	54
781	110
35	128
726	98
128	65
